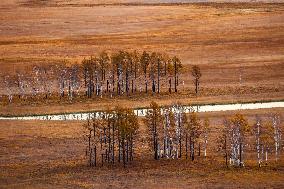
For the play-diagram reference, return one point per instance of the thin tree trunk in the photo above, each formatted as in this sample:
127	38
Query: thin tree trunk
164	147
158	76
226	154
240	154
170	87
180	147
127	83
119	149
132	87
127	151
186	146
199	149
175	77
266	155
192	158
109	142
91	158
113	143
107	85
190	146
146	89
196	86
123	153
95	158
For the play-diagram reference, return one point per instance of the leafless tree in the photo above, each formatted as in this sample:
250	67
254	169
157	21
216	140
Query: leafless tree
196	73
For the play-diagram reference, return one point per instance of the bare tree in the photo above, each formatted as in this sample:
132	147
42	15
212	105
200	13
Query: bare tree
205	131
239	128
144	61
177	66
196	73
276	123
267	139
257	132
193	130
223	140
153	122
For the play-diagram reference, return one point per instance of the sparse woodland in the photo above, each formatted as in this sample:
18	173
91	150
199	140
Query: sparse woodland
174	132
107	75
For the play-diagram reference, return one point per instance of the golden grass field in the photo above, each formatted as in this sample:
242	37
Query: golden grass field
220	38
51	154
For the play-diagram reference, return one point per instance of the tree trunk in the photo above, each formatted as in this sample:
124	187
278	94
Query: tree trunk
199	149
95	158
127	83
127	151
205	148
119	150
107	85
226	154
186	146
109	143
135	71
175	77
132	87
158	76
123	153
153	86
90	141
241	154
196	86
164	146
266	155
180	147
146	87
192	158
155	142
190	147
113	143
90	158
165	69
170	85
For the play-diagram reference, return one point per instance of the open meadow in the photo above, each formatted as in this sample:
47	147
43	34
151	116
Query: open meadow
112	57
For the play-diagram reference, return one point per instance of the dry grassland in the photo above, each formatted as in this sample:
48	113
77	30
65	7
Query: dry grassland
40	154
220	38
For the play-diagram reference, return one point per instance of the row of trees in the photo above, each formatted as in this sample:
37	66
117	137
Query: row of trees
120	73
174	132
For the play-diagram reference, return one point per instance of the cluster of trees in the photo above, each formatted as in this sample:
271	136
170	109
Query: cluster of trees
175	132
236	135
43	81
170	134
127	72
120	73
111	137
